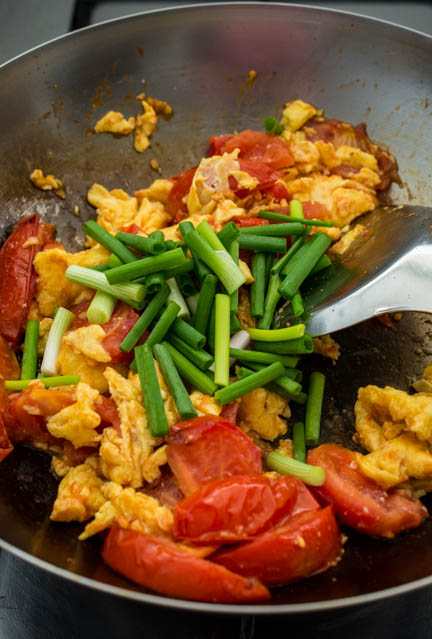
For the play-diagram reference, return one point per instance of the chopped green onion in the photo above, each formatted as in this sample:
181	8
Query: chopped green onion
205	303
114	261
176	296
298	399
55	380
154	282
175	271
101	267
270	303
287	384
101	308
297	304
262	243
257	289
60	325
296	209
145	320
188	333
201	268
211	329
272	126
126	292
186	285
314	408
301	264
280	217
197	356
192	302
235	324
273	230
278	266
30	353
101	235
256	380
142	244
299	444
222	338
157	235
228	234
323	262
151	392
311	475
263	358
145	266
278	334
173	380
163	324
301	346
191	373
207	233
234	251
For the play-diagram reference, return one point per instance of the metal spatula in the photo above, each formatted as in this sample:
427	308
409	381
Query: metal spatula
388	268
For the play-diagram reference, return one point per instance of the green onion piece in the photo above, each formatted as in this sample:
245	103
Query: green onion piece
256	380
205	303
154	282
301	264
296	209
207	233
157	235
272	126
60	325
145	320
269	265
142	244
201	269
186	285
85	276
299	444
186	267
191	373
145	266
278	266
176	296
197	356
163	324
235	324
257	289
283	385
314	408
55	380
211	330
234	251
297	304
30	353
101	308
188	333
294	374
298	399
286	382
222	338
273	230
170	244
323	262
174	382
101	235
114	261
219	261
151	392
311	475
263	358
263	244
301	346
278	334
280	217
271	300
228	234
192	302
101	267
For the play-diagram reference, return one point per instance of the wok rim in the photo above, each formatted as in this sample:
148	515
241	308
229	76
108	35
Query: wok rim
182	604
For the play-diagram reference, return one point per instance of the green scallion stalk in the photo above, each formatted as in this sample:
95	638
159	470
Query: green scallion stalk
201	269
142	244
176	296
301	264
100	267
278	334
60	325
280	217
271	300
299	444
234	251
186	267
235	324
125	292
279	265
314	408
323	262
170	244
56	380
270	260
296	209
222	339
273	230
301	346
263	358
163	324
186	285
272	126
101	235
257	289
262	243
311	475
297	304
211	329
205	303
207	234
197	356
114	261
145	266
256	380
192	302
188	333
142	324
191	373
151	392
101	308
157	235
289	385
298	399
228	234
154	282
174	382
30	353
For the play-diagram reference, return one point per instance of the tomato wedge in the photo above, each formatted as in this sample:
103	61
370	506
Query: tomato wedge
358	501
267	149
176	207
159	564
307	543
5	444
250	221
206	448
232	510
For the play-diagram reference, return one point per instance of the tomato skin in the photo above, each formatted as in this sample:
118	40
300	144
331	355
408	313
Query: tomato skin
157	563
358	501
307	543
268	149
229	412
182	184
243	222
17	276
5	444
207	448
232	510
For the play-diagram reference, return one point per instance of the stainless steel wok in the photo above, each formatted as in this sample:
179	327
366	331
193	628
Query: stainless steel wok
198	58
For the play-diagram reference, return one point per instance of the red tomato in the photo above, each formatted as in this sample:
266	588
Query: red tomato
262	147
249	221
182	183
358	501
229	412
9	367
131	228
159	564
5	445
306	544
315	211
17	277
232	510
107	411
207	448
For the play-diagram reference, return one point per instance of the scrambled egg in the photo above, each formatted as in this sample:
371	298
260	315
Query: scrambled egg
261	411
212	179
345	242
78	422
204	404
326	346
79	495
296	114
87	341
72	362
158	191
144	127
115	122
47	183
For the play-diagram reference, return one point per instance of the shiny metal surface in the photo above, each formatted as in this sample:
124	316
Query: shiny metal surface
388	268
198	59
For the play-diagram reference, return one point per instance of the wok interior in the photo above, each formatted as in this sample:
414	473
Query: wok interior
198	59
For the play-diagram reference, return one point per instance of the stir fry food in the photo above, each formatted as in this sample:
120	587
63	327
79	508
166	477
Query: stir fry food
153	372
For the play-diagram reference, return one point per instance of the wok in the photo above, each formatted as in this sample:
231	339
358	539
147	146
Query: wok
198	58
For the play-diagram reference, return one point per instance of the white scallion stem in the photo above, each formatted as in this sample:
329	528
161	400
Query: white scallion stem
176	296
312	475
101	308
192	303
94	279
62	320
